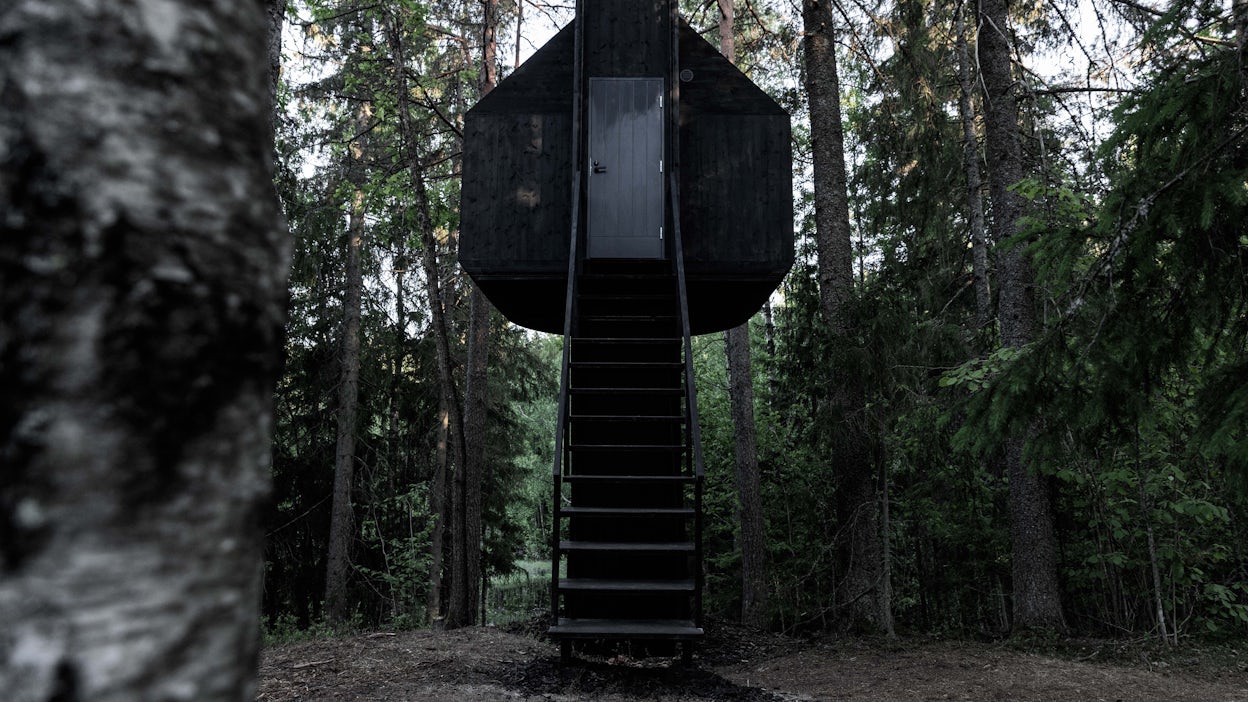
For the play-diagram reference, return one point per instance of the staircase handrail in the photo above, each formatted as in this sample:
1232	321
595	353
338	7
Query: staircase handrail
693	425
561	422
691	392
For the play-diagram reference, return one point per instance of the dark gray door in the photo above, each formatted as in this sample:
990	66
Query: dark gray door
625	200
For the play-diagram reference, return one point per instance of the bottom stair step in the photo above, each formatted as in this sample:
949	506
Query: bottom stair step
625	629
590	584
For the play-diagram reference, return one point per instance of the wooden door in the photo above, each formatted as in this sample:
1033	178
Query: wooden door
625	196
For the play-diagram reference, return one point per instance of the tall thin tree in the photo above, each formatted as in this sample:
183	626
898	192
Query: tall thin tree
450	417
1037	597
863	591
466	569
751	535
974	179
342	514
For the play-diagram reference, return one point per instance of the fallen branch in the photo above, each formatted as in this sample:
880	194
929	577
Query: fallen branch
309	664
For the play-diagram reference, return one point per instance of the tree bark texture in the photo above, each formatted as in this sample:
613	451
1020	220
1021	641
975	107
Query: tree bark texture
751	536
276	10
449	400
342	514
863	590
727	40
1037	604
974	182
466	573
467	568
142	289
437	508
833	239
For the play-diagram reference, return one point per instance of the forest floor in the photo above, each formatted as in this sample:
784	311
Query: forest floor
485	663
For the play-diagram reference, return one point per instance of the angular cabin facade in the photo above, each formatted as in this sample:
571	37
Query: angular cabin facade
732	149
627	187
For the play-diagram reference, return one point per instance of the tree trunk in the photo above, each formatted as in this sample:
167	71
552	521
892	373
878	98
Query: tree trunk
749	493
437	508
519	31
769	335
1037	603
342	515
398	456
727	40
276	10
751	538
833	239
449	400
863	590
466	548
974	183
142	287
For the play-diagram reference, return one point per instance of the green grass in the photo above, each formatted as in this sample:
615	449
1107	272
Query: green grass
519	595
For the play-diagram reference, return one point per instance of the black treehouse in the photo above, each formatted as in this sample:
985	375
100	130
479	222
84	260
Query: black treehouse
627	187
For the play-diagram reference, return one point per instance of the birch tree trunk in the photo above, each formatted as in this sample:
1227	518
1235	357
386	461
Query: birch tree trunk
142	288
863	590
1037	602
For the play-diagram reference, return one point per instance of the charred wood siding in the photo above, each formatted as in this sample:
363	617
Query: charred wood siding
735	172
517	176
736	185
626	38
516	207
519	162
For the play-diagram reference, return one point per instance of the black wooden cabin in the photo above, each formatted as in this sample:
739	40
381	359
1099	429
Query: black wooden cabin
627	187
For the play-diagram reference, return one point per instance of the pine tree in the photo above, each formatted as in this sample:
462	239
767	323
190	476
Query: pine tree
1037	599
863	589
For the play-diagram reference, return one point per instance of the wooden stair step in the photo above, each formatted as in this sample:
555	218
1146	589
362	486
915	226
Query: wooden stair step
591	479
628	546
640	275
611	297
625	512
639	448
628	417
626	628
624	339
627	391
627	365
620	317
602	584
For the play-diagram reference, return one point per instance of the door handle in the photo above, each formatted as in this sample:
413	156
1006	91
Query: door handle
599	168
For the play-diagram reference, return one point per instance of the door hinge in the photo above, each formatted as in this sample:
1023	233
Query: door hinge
660	232
660	102
660	165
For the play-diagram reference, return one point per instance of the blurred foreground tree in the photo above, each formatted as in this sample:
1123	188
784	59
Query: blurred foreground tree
142	280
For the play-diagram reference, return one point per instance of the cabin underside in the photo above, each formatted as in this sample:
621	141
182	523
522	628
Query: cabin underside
715	304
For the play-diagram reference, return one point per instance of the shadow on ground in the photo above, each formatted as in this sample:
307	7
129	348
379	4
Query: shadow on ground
649	678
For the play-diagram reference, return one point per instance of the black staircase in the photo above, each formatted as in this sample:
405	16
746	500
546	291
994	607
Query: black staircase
628	469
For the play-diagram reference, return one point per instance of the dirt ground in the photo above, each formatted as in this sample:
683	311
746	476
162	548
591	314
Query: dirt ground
485	663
